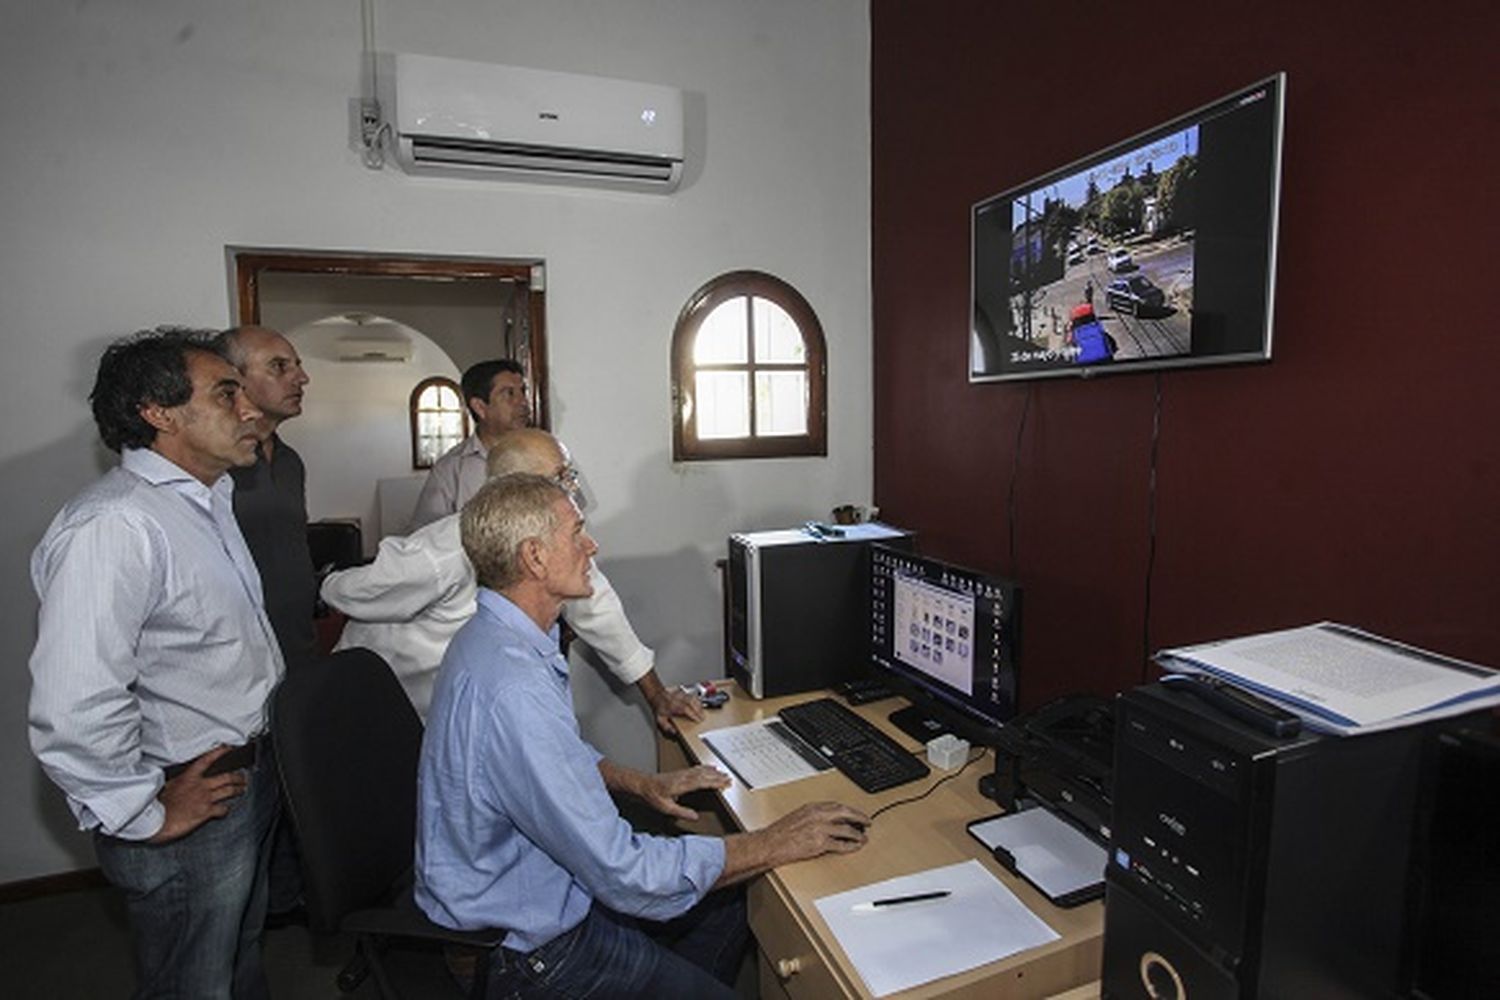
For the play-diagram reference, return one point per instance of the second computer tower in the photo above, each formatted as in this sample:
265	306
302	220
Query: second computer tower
1243	865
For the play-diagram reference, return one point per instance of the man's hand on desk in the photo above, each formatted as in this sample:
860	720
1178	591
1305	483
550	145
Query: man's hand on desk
663	790
668	703
806	832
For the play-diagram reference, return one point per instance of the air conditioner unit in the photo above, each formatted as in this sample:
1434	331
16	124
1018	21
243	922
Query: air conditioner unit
453	116
373	349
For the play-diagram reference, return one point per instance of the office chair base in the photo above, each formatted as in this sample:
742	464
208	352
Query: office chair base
354	972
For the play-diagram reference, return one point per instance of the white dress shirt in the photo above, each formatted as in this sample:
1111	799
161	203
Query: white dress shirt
409	603
153	644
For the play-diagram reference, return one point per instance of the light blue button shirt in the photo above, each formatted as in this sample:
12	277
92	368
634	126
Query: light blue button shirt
152	642
515	828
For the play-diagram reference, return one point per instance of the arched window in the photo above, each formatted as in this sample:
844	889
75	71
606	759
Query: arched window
749	372
439	420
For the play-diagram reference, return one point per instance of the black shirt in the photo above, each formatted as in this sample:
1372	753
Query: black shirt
270	503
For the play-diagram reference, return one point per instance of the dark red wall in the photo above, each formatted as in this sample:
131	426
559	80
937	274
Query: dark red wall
1354	477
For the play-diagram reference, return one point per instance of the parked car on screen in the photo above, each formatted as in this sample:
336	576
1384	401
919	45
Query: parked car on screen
1135	294
1119	260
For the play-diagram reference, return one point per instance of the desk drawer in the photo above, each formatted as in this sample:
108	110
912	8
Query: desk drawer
787	955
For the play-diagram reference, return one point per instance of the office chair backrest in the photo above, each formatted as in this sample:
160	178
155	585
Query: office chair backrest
347	743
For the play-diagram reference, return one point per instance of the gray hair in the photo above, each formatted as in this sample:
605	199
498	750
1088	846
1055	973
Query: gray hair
503	515
227	345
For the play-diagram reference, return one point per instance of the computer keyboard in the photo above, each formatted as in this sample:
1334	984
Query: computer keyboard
867	756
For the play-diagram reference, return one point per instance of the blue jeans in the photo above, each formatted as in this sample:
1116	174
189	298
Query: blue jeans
197	904
695	956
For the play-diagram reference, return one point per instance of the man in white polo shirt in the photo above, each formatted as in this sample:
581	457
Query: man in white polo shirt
409	602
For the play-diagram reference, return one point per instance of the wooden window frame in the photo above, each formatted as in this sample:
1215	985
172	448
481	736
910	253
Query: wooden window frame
412	409
686	445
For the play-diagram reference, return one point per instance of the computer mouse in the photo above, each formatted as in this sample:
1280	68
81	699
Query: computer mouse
855	824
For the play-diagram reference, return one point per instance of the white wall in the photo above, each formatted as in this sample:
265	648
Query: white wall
355	427
144	138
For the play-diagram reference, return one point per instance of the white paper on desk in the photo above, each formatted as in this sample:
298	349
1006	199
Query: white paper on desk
897	947
757	756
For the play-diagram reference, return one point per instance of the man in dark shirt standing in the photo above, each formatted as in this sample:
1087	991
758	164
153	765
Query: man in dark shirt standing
270	504
270	497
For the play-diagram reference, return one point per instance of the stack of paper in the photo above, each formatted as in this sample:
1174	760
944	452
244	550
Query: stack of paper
1341	679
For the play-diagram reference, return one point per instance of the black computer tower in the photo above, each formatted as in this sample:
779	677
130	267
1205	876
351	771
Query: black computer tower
1456	870
799	606
1243	865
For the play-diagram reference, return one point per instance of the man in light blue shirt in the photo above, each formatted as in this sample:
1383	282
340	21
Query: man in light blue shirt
154	664
516	828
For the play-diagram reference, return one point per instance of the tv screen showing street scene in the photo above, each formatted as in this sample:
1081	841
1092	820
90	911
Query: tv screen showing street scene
1157	252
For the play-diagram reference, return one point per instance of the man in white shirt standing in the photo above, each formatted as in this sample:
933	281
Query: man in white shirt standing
499	401
154	665
409	602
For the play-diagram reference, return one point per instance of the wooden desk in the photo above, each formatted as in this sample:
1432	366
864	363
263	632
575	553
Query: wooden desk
799	957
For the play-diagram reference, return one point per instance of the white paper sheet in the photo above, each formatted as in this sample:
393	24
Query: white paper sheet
757	756
897	947
1050	853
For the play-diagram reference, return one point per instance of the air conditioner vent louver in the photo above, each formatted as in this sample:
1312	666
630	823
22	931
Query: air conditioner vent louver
543	159
374	349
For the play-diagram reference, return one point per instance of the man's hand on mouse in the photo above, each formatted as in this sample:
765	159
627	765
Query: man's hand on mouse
822	828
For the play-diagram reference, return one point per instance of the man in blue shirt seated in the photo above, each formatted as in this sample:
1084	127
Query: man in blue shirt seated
516	828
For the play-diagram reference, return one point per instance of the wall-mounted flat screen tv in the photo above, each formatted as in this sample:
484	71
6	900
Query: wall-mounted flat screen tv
1158	252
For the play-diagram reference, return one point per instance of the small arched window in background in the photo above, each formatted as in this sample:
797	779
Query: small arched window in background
439	420
749	372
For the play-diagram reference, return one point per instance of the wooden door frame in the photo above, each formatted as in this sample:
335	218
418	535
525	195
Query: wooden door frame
248	264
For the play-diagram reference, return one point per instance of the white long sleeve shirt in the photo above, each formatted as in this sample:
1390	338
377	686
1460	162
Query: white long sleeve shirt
153	643
409	603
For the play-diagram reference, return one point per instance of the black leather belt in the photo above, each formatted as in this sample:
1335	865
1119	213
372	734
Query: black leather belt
239	758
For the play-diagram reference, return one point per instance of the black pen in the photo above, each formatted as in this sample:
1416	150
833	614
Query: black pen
919	897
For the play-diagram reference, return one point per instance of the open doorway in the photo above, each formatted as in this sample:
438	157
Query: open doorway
370	330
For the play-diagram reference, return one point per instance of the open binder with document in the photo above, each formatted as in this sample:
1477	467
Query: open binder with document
1341	679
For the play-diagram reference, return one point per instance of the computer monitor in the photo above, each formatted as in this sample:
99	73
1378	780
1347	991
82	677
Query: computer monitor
949	638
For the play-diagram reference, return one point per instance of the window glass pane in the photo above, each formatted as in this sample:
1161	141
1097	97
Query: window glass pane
722	337
780	403
439	421
777	338
429	449
723	401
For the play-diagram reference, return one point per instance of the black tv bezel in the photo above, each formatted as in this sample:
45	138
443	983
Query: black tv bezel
1276	83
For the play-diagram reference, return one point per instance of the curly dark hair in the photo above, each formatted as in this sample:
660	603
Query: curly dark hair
144	368
479	379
